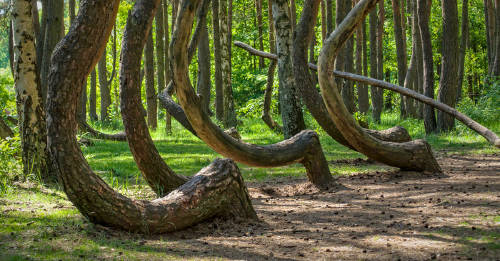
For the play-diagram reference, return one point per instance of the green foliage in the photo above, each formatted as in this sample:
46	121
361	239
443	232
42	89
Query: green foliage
7	93
487	108
10	162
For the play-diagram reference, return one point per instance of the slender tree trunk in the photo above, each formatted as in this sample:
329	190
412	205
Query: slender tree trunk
420	62
329	16
324	14
363	100
229	119
81	110
448	85
400	50
36	18
411	81
423	11
291	111
30	104
258	7
490	33
340	13
495	72
378	94
150	83
54	31
293	15
104	88
204	84
93	96
40	37
160	49
11	48
464	43
348	90
167	72
219	91
375	94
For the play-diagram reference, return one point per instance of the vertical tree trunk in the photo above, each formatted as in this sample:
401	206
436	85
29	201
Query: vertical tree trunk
103	87
258	7
323	20
36	18
30	105
363	101
167	72
464	42
379	93
448	85
423	11
348	90
340	13
11	48
93	96
150	82
54	31
495	72
400	50
420	62
291	111
40	37
219	91
490	32
229	119
204	84
293	14
81	110
411	81
160	48
329	17
375	94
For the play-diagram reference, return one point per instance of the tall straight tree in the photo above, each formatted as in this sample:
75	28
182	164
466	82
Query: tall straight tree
160	48
54	31
219	92
448	85
204	84
495	72
258	7
30	104
363	100
376	97
229	119
291	111
167	72
380	57
464	43
93	96
348	89
400	50
424	12
149	66
103	87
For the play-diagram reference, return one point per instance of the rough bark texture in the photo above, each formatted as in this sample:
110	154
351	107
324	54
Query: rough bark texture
304	147
204	85
414	155
363	105
5	130
291	109
167	71
160	48
464	43
216	190
378	94
229	119
376	103
93	96
149	67
448	85
363	100
54	31
423	11
30	105
400	50
219	92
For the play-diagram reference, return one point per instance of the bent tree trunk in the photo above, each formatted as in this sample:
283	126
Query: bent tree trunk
154	170
303	147
216	190
414	155
30	105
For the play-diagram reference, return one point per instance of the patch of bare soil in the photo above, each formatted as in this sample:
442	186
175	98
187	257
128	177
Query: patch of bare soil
377	216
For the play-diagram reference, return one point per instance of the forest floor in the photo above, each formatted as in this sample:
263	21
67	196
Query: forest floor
378	212
384	215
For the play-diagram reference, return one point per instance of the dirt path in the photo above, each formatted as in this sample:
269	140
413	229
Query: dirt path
379	216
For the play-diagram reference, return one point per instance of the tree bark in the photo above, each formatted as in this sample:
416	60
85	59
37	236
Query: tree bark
375	97
258	7
414	155
40	37
167	71
93	96
304	147
411	81
464	43
448	85
150	83
11	49
329	17
362	90
30	104
54	31
377	94
495	72
217	190
400	50
204	84
323	20
423	11
103	87
291	111
160	49
363	100
219	91
229	119
5	130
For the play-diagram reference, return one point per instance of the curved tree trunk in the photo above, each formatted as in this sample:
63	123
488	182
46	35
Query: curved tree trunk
448	85
414	155
423	12
291	109
30	104
216	190
304	147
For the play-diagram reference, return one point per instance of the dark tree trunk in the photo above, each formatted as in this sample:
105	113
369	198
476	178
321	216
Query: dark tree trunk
168	73
399	34
464	43
420	62
375	97
362	91
363	100
160	48
378	94
93	96
204	84
324	14
54	31
340	12
40	37
258	7
104	88
219	92
415	155
423	11
291	110
411	78
149	67
448	85
229	119
495	72
329	17
11	49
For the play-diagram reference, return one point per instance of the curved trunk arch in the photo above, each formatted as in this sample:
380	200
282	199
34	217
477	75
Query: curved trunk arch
302	148
414	155
216	190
